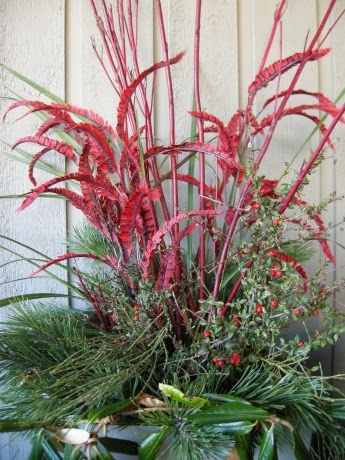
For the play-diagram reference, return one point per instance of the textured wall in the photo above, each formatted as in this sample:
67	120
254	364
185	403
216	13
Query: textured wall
49	41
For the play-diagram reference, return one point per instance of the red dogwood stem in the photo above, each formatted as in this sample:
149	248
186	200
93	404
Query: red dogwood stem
202	245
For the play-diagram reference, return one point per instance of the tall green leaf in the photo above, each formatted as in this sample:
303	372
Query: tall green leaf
151	444
267	445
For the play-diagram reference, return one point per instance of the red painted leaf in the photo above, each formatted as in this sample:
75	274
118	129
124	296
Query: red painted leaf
129	91
279	67
165	229
51	144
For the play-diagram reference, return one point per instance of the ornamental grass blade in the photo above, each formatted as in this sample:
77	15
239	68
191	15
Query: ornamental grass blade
151	444
33	84
38	295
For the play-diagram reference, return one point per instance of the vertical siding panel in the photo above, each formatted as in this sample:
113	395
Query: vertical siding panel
32	42
218	59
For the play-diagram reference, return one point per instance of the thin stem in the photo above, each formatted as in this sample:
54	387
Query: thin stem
202	242
310	163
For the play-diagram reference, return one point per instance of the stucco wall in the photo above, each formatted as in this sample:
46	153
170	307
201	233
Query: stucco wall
49	41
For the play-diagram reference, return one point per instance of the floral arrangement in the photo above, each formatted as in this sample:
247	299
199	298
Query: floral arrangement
190	306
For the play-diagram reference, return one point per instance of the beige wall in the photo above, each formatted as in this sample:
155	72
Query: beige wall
49	41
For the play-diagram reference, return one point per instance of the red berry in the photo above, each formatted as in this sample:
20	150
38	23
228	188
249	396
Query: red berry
255	205
136	308
273	273
316	312
234	354
275	265
221	313
220	362
276	221
274	303
300	344
116	340
215	360
322	293
272	253
207	333
232	360
259	308
279	273
136	317
237	361
297	311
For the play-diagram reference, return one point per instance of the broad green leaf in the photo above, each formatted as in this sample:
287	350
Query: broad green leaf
22	297
244	447
49	450
225	398
267	445
300	451
97	414
71	453
177	395
151	444
228	412
121	446
36	452
235	428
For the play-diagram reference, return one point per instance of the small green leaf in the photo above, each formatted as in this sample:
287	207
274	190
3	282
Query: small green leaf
267	445
177	395
228	412
151	444
300	451
97	414
121	446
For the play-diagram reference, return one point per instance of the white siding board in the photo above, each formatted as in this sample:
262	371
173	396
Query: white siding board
31	42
